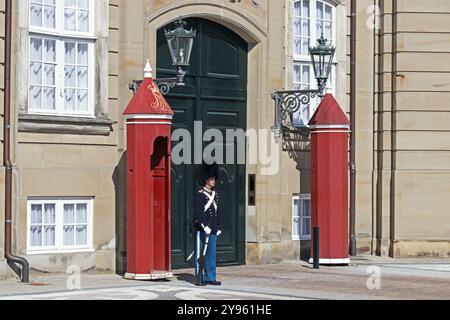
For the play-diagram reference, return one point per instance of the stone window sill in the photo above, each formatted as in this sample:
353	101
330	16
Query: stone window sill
64	125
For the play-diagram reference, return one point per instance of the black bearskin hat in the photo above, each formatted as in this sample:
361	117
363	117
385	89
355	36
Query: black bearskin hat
208	171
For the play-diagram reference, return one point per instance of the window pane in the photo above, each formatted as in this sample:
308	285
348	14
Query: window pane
82	100
306	227
49	214
82	76
306	74
69	3
320	30
69	19
35	75
49	236
69	103
49	74
35	98
306	208
298	8
70	52
82	213
305	28
305	46
328	11
82	54
83	21
50	51
297	45
305	115
81	236
35	14
319	7
36	236
49	17
36	49
328	31
36	214
69	235
49	99
297	73
306	8
69	72
83	4
69	214
297	27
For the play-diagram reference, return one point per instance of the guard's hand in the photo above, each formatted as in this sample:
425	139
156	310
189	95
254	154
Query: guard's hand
219	232
207	230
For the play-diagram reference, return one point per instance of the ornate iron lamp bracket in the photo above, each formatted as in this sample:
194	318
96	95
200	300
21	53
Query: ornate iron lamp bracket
287	103
164	84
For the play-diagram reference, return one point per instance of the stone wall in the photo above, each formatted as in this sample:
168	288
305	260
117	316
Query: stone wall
68	163
412	173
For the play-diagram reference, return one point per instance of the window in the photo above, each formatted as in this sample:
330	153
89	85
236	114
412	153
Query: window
59	225
302	81
311	18
61	57
301	217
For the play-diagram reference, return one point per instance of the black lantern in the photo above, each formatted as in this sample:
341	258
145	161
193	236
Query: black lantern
322	58
180	41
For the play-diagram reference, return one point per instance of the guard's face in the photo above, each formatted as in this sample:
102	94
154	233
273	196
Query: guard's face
211	183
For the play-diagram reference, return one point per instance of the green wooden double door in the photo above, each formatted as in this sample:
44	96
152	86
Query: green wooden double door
215	94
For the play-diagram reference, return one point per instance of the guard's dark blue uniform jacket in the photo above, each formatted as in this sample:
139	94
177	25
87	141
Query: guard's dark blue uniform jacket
211	217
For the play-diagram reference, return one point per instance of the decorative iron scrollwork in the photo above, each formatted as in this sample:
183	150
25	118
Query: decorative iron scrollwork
287	103
164	85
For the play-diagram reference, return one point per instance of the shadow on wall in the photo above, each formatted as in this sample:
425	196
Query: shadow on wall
120	186
298	147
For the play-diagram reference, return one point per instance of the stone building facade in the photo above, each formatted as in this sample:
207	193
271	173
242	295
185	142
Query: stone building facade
72	65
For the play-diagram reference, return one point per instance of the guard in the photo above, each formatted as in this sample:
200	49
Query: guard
206	208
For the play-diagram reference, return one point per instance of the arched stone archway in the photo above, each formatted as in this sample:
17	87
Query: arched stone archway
245	25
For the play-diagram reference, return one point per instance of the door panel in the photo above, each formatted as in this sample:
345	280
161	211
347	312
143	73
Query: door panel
215	93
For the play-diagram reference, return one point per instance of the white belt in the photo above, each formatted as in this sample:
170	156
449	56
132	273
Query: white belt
211	201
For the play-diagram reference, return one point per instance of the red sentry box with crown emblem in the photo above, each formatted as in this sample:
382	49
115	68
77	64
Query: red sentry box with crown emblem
149	121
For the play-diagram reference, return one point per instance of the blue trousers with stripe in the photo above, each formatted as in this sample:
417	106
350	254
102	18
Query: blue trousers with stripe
210	265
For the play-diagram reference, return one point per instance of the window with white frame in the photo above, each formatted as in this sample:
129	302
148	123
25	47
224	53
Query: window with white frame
60	225
311	18
301	217
61	57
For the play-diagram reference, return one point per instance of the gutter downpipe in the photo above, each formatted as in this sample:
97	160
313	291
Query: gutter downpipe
11	259
353	251
380	145
394	75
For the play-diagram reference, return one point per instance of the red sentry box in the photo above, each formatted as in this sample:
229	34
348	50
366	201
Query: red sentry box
329	181
149	121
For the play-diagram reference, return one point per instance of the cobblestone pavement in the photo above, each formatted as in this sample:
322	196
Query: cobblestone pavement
366	278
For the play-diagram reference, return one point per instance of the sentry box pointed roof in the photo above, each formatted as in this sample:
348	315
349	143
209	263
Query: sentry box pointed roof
148	100
329	113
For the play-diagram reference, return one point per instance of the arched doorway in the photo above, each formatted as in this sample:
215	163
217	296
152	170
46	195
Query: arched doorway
216	94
